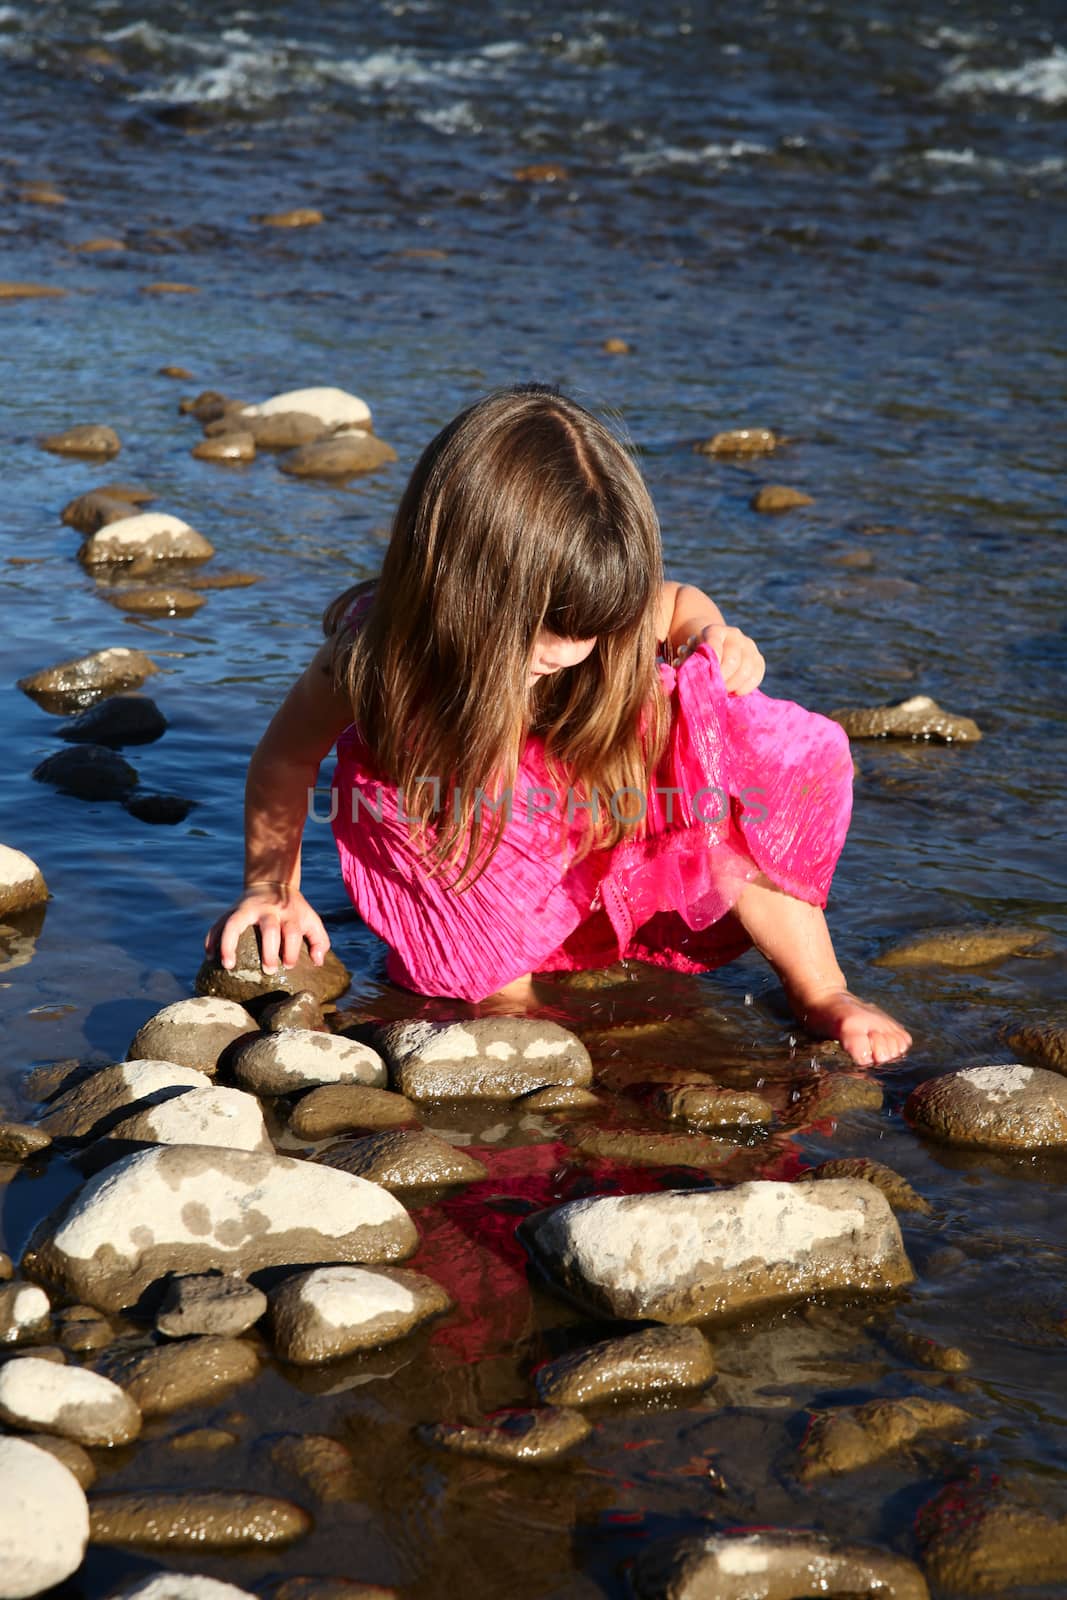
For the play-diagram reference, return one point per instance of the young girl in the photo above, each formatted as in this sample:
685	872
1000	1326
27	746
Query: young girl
548	757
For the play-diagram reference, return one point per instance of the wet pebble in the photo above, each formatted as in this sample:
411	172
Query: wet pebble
996	1107
332	1589
203	1439
401	1159
854	1436
740	442
1047	1044
301	1058
226	447
340	456
191	1033
772	1564
78	1462
44	1520
246	978
300	1010
24	1312
159	809
209	1303
21	884
95	509
298	217
962	947
688	1256
212	1116
71	1401
88	772
526	1436
897	1190
490	1058
154	534
88	439
211	1520
166	600
10	290
169	286
653	1361
181	1209
916	718
72	685
977	1539
780	497
334	1311
829	1094
19	1141
185	1374
209	406
172	370
649	1149
82	1328
120	720
344	1108
703	1106
285	430
180	1586
325	1465
560	1097
7	1271
79	1111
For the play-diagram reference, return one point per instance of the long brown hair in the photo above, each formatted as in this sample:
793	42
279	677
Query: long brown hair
524	513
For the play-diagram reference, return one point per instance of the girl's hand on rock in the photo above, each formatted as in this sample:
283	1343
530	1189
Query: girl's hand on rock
284	919
740	661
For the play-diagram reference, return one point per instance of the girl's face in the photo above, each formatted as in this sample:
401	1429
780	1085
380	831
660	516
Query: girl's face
552	653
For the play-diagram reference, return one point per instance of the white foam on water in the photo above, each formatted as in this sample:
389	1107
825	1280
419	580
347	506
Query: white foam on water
719	156
1043	79
460	117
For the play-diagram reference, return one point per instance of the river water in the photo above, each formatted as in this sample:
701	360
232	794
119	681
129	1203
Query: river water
840	220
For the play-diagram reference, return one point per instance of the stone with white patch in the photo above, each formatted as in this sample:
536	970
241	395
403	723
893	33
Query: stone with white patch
246	979
488	1058
302	1058
187	1209
918	717
155	535
71	1401
105	1094
181	1586
772	1564
21	882
192	1033
73	685
998	1107
334	1311
335	408
44	1520
213	1116
24	1312
682	1257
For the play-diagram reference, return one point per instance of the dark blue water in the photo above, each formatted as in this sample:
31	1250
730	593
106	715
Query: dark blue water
842	221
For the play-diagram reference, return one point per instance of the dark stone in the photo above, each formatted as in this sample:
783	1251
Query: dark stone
122	719
89	771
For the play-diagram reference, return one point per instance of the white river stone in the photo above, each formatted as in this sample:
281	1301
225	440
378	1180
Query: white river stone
44	1520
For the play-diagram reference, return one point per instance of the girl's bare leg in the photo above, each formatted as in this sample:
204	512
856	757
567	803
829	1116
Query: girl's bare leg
513	999
796	941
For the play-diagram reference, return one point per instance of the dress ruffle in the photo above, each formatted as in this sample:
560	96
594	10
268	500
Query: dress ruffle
746	785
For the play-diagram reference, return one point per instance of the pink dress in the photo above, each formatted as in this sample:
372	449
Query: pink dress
745	785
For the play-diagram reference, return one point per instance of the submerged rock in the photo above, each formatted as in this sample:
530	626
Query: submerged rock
997	1108
975	1539
961	947
649	1149
560	1097
772	1564
705	1106
82	1328
21	882
916	718
186	1209
299	217
740	442
30	291
89	439
340	456
334	1311
335	408
167	600
153	534
95	509
192	1033
402	1159
71	685
187	1374
209	1303
88	772
159	809
301	1058
780	497
235	446
688	1256
185	1520
919	1350
81	1110
44	1520
24	1312
122	719
228	1118
19	1141
246	978
655	1361
78	1462
526	1436
345	1108
854	1436
897	1190
324	1464
70	1401
490	1058
1048	1044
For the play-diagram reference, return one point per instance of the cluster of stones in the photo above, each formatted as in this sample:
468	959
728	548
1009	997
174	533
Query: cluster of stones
321	433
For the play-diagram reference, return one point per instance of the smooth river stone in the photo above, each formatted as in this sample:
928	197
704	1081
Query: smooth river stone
72	685
997	1108
186	1209
632	1148
87	439
211	1520
155	534
843	1440
187	1374
974	1539
343	1108
21	882
775	497
24	1311
87	771
334	1311
527	1436
97	507
285	430
340	456
490	1058
71	1401
82	1109
1048	1044
77	1460
401	1159
234	446
897	1190
44	1520
209	1303
212	1116
192	1033
704	1106
181	1586
119	720
302	1058
740	442
772	1565
687	1256
335	408
961	947
246	978
19	1141
916	718
653	1361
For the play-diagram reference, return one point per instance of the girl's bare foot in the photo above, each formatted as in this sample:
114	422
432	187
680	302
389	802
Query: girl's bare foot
869	1034
514	999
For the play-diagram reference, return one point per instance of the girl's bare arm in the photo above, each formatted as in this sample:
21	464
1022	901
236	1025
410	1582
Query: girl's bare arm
688	618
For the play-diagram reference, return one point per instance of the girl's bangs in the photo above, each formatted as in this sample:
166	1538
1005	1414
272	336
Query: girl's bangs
587	606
